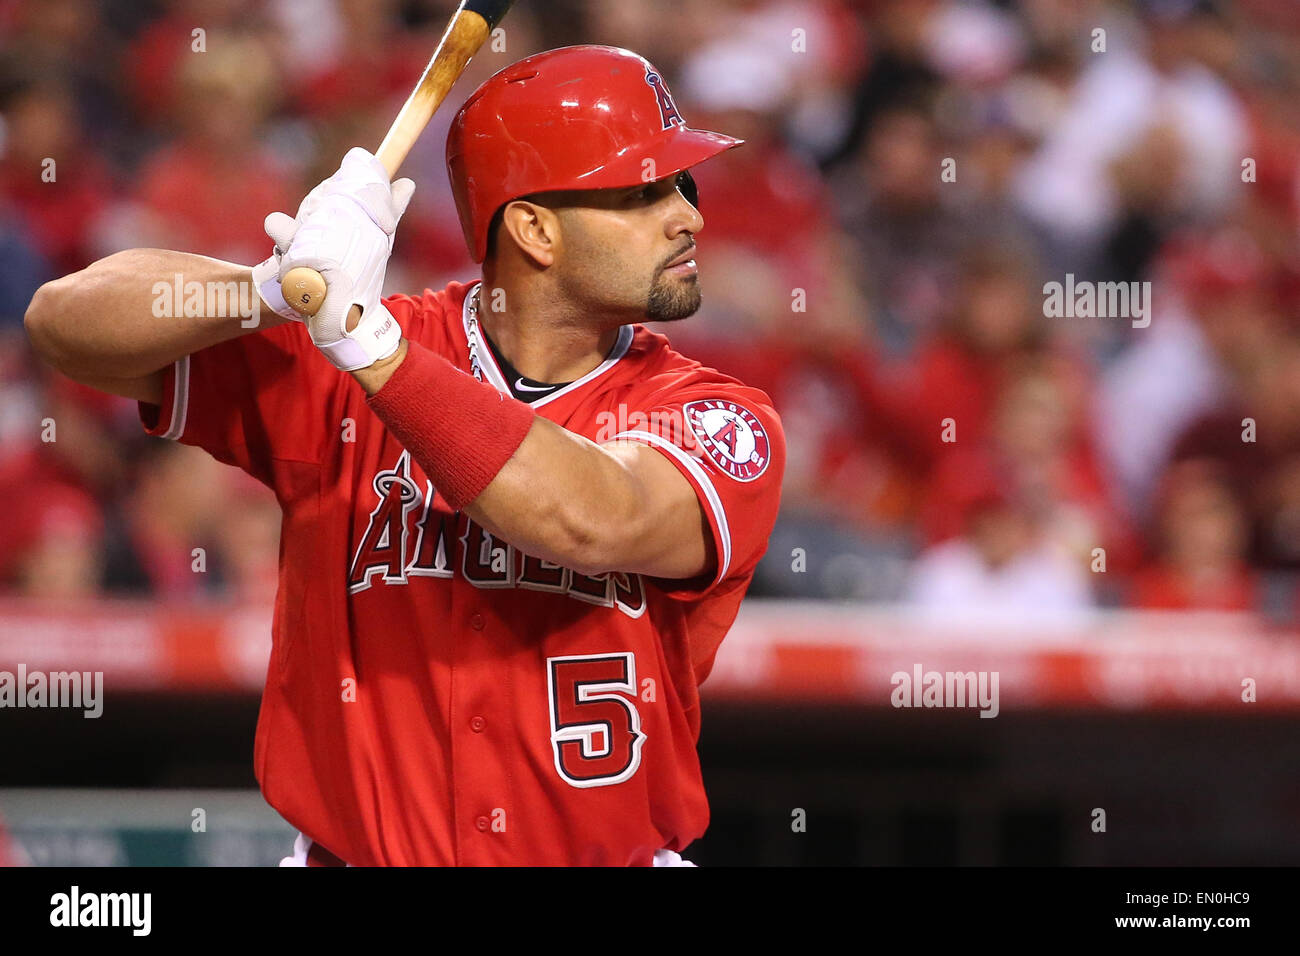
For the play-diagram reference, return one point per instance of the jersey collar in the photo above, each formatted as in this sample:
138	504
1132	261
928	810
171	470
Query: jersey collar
492	371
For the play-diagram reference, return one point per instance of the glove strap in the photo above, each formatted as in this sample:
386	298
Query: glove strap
266	277
375	338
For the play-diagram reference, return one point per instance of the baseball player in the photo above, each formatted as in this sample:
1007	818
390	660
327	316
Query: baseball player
517	524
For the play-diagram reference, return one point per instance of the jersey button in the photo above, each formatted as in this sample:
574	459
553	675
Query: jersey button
483	823
477	724
476	622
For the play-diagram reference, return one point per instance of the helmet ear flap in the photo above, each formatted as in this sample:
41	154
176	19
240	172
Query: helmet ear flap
687	187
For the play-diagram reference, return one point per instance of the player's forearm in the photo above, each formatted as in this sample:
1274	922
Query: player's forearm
533	499
126	315
547	491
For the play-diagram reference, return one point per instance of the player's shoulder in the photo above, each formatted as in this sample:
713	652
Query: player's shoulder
663	374
429	316
732	428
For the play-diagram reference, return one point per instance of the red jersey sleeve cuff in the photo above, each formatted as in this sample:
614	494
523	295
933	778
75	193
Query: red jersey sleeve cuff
710	501
168	419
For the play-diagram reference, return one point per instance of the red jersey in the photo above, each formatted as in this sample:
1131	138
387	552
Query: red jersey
435	696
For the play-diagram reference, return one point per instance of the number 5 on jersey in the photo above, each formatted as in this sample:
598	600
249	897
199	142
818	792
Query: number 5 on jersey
595	727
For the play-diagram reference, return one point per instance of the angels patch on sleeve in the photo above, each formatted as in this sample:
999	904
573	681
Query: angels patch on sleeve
731	435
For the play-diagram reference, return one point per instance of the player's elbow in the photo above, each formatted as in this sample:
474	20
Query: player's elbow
36	319
42	327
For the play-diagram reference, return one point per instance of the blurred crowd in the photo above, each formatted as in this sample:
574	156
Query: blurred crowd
874	257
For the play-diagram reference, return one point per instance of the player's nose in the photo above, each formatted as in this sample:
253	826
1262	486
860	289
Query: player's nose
682	217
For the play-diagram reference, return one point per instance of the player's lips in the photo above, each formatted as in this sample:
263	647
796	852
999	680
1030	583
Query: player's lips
683	263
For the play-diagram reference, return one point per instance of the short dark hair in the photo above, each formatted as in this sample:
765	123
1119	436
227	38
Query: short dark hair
494	227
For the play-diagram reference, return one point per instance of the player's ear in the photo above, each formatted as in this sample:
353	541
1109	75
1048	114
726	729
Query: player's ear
533	228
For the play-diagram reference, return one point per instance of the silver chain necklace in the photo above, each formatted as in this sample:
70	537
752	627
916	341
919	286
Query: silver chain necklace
474	365
472	335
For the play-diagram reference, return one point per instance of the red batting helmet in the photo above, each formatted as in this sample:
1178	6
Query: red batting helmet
580	117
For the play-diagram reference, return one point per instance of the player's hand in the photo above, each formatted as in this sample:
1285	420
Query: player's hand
281	228
344	230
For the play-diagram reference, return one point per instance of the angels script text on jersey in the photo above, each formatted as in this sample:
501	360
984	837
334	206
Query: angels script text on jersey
393	550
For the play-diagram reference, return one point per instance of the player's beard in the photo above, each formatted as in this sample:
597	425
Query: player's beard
672	297
609	282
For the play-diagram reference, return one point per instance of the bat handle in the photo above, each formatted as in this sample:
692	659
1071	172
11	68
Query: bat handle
304	290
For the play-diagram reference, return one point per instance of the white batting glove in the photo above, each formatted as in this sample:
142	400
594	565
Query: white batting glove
281	229
344	230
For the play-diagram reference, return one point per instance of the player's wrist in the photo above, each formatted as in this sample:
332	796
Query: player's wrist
266	280
461	431
375	376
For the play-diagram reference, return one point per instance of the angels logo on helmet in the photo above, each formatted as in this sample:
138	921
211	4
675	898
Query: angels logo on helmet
732	436
668	110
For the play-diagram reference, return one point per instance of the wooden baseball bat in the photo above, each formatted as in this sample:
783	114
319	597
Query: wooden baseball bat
470	26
